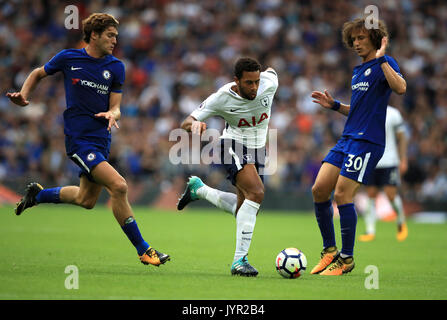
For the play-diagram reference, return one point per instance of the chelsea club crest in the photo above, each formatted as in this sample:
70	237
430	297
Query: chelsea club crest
106	74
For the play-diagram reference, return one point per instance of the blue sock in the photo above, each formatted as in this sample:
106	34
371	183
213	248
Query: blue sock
131	230
325	216
348	224
49	195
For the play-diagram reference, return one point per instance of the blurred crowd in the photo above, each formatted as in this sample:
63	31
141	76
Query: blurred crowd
178	52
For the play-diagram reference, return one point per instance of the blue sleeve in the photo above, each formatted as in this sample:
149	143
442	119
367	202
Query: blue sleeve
56	63
118	77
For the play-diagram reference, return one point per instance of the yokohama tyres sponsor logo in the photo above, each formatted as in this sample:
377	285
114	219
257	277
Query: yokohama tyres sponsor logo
90	84
363	86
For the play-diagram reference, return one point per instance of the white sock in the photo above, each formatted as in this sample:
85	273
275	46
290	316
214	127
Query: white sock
370	217
223	200
245	224
399	208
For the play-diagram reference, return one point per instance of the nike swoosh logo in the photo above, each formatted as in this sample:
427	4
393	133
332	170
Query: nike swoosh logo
349	170
233	110
243	232
74	69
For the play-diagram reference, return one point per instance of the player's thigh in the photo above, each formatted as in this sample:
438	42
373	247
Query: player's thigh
345	190
325	181
107	176
249	183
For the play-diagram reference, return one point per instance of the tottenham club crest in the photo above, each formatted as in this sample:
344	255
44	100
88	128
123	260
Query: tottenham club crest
106	74
265	102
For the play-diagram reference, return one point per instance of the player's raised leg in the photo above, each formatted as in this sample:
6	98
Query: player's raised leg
85	195
116	185
321	192
251	189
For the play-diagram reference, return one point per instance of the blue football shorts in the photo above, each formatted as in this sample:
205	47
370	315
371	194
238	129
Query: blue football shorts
234	156
385	177
357	159
87	152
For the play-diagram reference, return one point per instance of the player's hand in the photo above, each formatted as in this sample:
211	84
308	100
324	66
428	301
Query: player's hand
323	98
381	51
17	98
198	127
109	115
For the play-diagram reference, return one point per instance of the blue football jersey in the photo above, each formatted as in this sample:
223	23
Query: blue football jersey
88	82
369	100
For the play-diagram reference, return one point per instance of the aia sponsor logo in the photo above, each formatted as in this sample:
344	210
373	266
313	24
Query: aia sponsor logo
252	122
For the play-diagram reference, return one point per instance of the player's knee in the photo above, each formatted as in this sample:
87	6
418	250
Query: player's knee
320	193
256	195
341	197
119	187
88	204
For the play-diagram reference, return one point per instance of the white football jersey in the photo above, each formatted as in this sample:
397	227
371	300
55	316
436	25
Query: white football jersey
394	123
246	120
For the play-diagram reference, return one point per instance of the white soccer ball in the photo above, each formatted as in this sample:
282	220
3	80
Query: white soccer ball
291	263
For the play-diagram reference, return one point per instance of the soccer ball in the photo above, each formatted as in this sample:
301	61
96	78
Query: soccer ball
291	263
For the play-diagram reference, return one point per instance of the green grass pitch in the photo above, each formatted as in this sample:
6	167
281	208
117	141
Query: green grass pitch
37	247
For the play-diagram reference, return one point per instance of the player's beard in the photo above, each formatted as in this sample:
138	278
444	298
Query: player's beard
244	94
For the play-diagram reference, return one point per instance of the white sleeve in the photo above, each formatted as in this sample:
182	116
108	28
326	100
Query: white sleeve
398	121
207	108
272	76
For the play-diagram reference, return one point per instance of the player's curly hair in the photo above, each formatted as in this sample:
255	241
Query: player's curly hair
97	22
375	35
245	64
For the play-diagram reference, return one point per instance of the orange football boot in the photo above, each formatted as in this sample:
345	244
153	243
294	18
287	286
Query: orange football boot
367	237
154	257
402	232
339	267
328	255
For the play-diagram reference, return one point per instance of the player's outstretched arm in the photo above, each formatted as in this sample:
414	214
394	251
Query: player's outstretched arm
395	81
21	98
114	113
191	124
328	102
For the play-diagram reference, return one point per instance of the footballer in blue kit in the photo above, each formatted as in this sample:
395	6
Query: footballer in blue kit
353	159
93	80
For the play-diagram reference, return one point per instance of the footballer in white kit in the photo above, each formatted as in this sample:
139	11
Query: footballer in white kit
245	105
386	176
246	120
